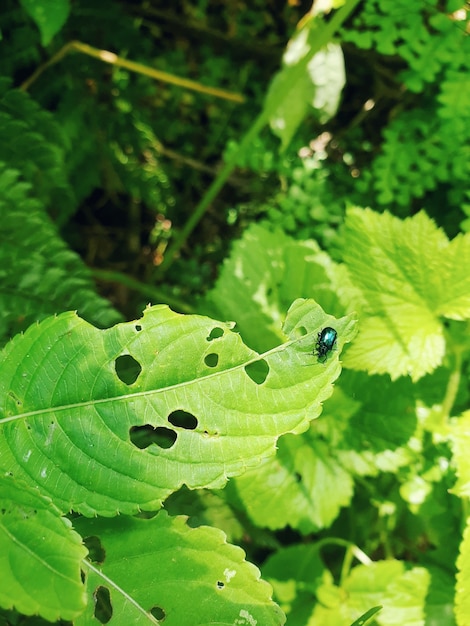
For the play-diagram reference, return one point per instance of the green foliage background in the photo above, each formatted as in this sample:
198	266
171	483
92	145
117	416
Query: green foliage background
199	464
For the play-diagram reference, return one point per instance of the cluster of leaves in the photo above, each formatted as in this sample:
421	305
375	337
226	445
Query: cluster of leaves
304	205
107	421
386	450
47	276
425	144
343	507
401	134
129	140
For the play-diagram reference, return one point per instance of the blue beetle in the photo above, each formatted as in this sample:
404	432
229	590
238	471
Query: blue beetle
325	343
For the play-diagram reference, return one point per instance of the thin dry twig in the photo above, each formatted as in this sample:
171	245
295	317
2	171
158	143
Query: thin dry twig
132	66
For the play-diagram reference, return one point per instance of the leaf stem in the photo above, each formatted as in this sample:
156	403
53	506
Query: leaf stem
132	66
212	192
452	387
351	552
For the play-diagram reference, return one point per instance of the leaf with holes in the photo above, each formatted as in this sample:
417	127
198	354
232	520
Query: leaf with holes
164	569
108	421
40	556
265	272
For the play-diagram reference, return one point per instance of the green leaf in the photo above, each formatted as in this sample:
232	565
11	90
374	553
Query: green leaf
300	565
412	596
32	142
409	275
206	507
367	615
317	84
117	419
311	477
368	584
422	149
327	74
440	599
366	434
265	272
295	573
460	437
289	114
406	598
187	576
302	486
455	96
39	275
40	556
402	594
462	595
49	15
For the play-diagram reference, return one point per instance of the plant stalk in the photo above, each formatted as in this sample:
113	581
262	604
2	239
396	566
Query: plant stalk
324	36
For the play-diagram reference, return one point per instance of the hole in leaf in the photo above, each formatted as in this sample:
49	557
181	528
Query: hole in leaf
138	327
257	371
15	398
96	552
211	359
297	477
144	436
299	331
183	419
220	584
146	514
215	333
208	434
82	576
158	613
127	369
26	513
103	608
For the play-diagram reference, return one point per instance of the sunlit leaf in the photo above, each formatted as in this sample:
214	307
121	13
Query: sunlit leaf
181	575
117	419
40	556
